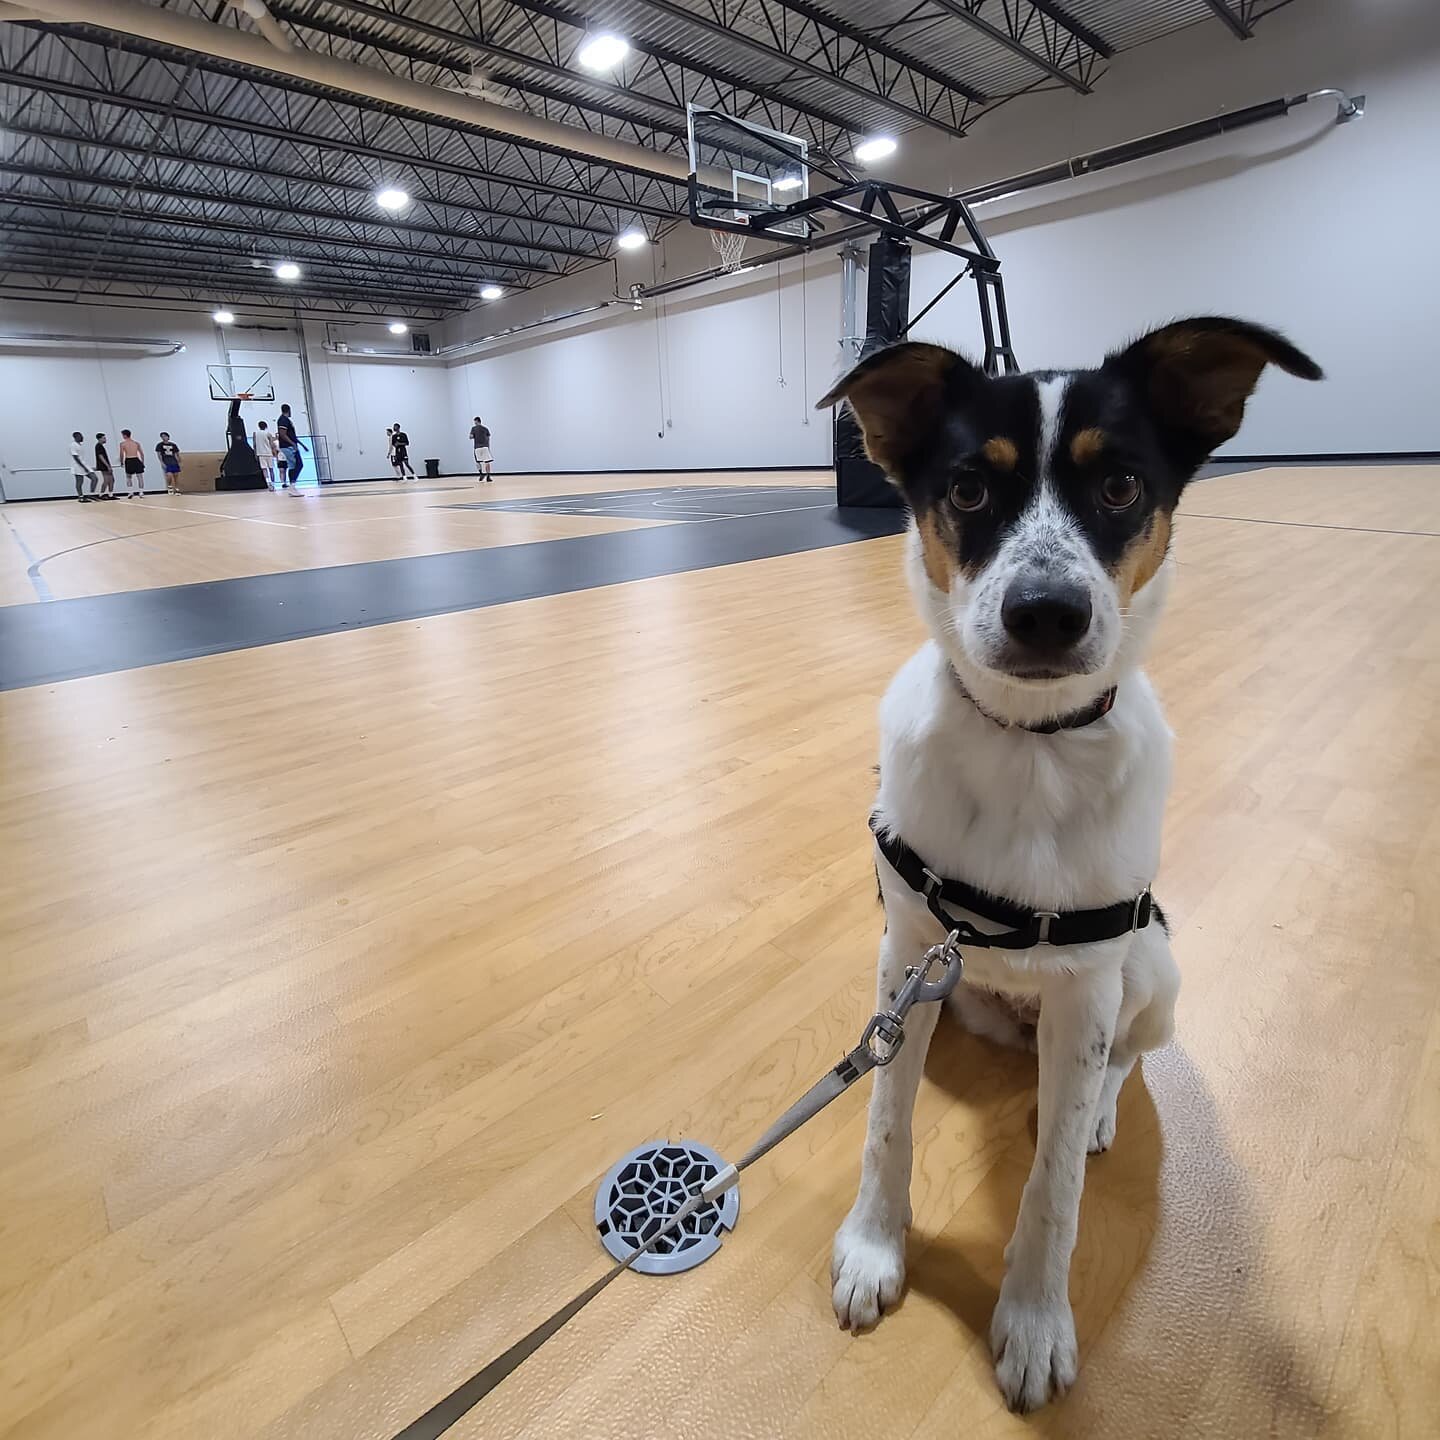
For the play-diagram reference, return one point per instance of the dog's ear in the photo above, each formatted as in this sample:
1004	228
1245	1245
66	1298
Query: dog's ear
898	396
1196	375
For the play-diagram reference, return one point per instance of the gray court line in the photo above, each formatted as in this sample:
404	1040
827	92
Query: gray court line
96	635
37	580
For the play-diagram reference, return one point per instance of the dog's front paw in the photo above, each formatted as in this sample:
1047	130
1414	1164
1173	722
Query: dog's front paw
868	1271
1034	1350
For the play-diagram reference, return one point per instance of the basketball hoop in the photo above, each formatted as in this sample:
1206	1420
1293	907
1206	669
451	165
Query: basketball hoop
242	394
731	247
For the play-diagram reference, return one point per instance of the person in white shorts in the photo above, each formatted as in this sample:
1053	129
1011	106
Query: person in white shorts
265	452
480	439
81	469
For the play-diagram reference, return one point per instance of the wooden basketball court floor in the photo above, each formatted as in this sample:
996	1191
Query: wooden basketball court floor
337	971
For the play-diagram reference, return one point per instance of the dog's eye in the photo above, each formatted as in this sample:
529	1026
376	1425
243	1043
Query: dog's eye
1120	490
968	492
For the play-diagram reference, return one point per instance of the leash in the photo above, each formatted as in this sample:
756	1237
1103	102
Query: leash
881	1042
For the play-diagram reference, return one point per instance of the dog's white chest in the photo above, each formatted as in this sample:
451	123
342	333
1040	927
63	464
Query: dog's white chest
1064	821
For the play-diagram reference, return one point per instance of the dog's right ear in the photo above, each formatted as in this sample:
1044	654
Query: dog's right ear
898	396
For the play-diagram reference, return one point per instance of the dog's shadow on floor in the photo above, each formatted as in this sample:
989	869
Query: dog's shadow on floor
1169	1268
961	1265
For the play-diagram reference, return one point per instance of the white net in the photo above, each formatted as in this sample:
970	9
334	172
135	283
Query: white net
730	247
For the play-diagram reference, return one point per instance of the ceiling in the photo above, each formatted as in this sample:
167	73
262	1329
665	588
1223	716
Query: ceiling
139	170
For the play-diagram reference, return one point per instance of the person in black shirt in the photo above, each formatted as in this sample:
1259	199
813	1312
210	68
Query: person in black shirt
169	454
480	440
102	468
290	447
400	453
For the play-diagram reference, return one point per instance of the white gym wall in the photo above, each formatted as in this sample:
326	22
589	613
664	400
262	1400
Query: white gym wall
1322	230
47	391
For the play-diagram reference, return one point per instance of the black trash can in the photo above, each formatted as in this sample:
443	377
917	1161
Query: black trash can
432	469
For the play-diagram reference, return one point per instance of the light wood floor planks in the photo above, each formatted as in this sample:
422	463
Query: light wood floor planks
186	539
337	972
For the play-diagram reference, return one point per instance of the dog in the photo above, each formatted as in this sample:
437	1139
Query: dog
1024	752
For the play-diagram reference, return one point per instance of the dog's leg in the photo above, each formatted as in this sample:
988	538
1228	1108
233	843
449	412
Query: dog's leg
868	1268
1146	1021
1032	1334
991	1017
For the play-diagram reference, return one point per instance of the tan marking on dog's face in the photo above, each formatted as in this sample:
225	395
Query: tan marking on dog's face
1087	446
1142	558
936	552
1001	453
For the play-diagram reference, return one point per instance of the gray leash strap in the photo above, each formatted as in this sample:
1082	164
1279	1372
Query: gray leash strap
878	1046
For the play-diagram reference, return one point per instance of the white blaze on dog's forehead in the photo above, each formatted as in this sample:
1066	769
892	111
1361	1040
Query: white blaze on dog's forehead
1046	533
1051	394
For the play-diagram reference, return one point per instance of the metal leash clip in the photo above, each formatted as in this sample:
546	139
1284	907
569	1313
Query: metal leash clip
885	1033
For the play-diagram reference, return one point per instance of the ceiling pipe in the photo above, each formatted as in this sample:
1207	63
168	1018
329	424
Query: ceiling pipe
462	348
265	23
39	340
166	27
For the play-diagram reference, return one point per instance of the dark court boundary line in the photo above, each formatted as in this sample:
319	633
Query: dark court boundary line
103	634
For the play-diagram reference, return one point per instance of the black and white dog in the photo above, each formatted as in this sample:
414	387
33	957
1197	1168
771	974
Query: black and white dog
1023	751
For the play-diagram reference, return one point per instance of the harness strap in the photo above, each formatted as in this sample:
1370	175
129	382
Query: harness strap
1028	928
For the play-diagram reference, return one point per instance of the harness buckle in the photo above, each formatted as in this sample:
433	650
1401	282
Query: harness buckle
1043	919
933	882
1143	902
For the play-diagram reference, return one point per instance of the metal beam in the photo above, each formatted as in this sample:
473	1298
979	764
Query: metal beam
227	47
178	192
335	143
478	45
876	46
289	252
251	230
724	79
1066	21
732	36
310	180
1008	36
1237	26
363	312
138	269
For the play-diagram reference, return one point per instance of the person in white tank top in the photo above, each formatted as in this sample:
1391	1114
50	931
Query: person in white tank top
266	450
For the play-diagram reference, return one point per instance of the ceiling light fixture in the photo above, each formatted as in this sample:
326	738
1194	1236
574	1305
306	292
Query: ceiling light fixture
787	182
392	199
877	147
632	239
398	327
602	52
223	317
490	292
287	270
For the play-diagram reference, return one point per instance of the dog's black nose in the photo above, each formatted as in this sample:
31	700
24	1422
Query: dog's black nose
1046	617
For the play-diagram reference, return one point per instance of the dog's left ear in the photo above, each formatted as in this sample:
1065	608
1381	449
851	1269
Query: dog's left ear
1196	375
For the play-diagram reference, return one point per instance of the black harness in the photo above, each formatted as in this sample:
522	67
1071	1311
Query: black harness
1028	928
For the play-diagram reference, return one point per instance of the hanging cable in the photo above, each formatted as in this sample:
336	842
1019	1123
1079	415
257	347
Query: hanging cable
780	325
662	366
804	343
